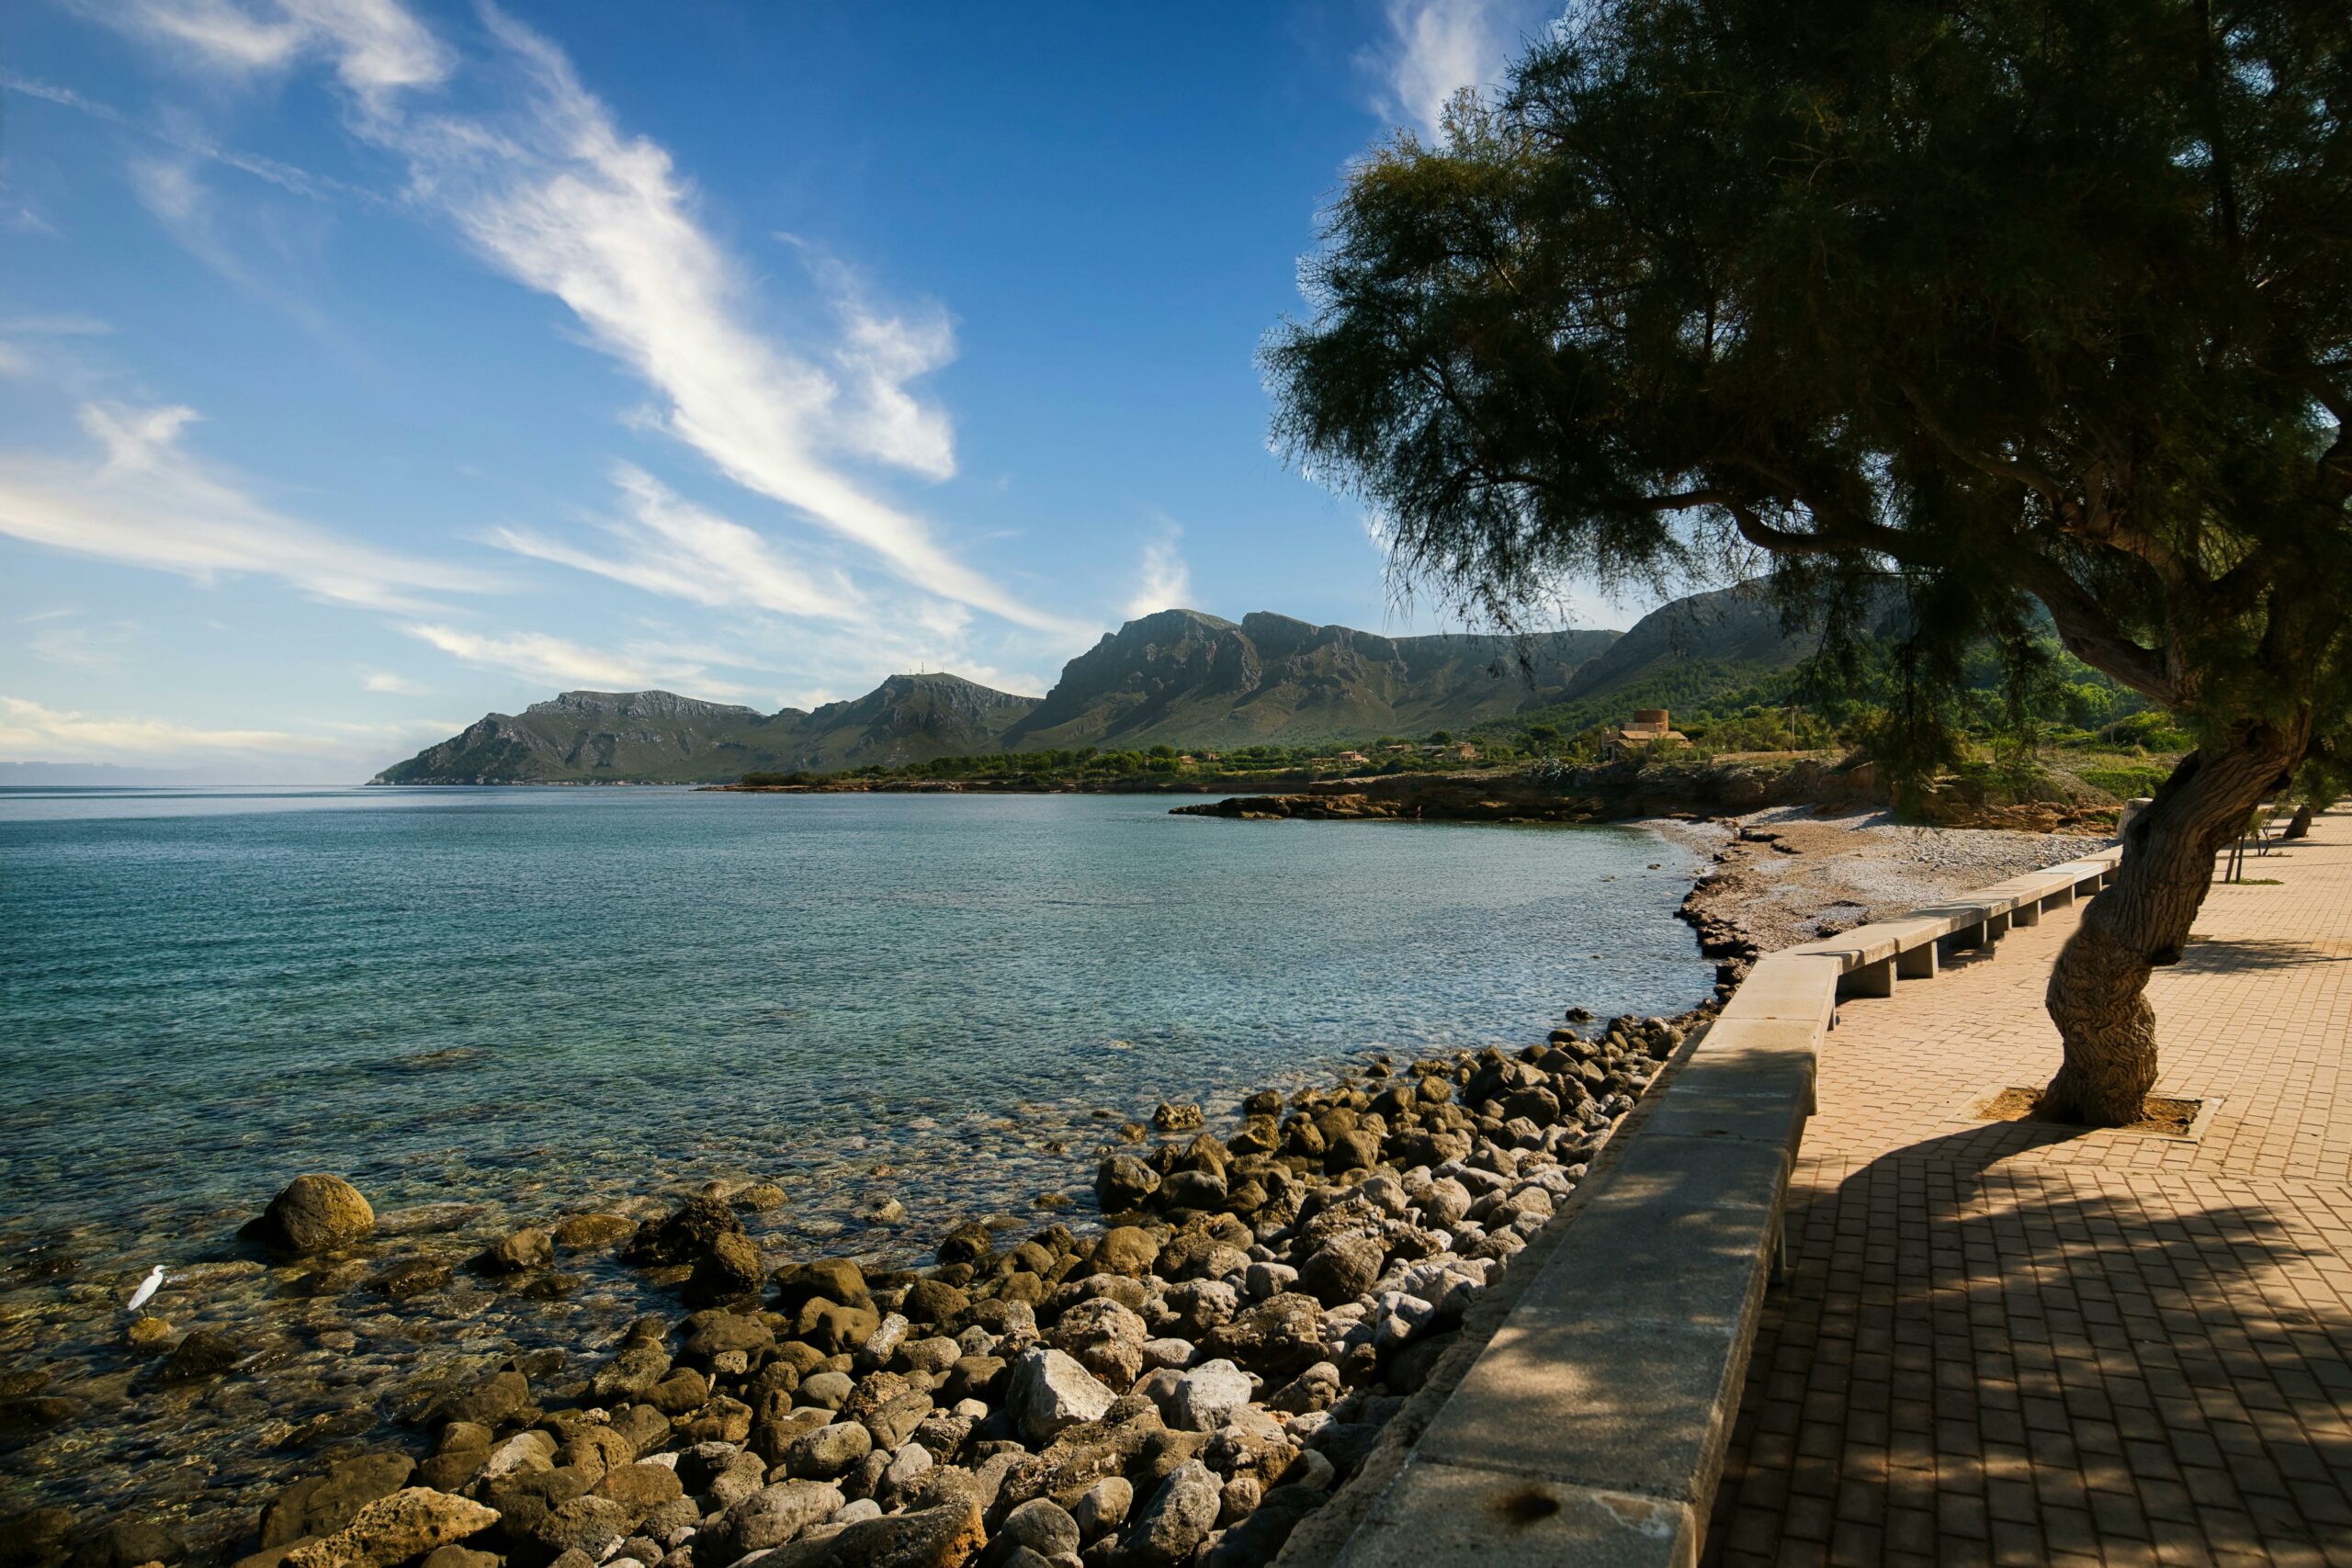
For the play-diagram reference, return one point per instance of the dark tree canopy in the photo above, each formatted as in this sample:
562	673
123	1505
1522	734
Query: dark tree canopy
2042	297
2017	301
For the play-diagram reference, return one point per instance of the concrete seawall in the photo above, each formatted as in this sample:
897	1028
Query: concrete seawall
1591	1425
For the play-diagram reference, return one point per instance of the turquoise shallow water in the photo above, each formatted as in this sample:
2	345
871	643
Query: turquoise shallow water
486	1006
209	991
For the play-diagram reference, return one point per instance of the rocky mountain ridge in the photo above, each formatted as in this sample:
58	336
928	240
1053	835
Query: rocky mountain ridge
1178	677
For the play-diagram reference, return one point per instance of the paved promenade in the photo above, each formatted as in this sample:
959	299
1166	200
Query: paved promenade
2007	1343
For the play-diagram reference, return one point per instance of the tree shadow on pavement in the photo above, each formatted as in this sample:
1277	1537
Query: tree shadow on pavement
1979	1360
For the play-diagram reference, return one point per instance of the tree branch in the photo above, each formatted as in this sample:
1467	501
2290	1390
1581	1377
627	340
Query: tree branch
2085	629
2041	484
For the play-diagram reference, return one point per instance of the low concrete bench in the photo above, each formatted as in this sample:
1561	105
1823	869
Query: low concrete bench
1592	1427
1876	955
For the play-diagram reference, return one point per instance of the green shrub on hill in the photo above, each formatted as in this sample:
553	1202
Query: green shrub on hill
2124	783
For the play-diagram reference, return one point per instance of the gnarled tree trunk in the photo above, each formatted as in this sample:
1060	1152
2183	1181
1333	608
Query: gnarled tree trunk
2097	994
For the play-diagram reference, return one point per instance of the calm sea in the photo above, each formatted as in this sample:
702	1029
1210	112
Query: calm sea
488	1006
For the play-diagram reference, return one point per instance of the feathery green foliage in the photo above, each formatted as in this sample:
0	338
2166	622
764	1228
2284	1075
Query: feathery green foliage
2010	299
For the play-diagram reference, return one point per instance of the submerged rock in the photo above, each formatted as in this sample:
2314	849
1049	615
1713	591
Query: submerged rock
205	1353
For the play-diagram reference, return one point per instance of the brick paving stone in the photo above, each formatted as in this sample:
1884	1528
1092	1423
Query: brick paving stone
2006	1342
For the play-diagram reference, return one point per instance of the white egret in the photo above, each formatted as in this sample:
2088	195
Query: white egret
147	1287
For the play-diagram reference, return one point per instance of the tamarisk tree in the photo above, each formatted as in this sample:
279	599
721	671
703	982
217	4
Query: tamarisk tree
2013	300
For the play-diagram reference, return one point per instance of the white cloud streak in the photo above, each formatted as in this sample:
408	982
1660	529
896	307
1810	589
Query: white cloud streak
555	194
375	45
562	200
553	660
671	546
145	501
286	176
1436	47
29	731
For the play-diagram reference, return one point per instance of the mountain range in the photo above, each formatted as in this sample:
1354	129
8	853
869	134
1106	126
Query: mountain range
1181	677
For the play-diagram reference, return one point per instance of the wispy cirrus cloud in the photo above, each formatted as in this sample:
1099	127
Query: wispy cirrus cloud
80	643
561	199
143	499
376	47
554	661
34	731
670	546
1436	47
176	133
30	729
67	325
549	191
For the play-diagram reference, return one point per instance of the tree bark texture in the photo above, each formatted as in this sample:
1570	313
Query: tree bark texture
2097	994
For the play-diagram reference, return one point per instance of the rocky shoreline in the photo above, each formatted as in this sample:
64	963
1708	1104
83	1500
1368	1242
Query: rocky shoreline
1596	793
1785	876
1188	1384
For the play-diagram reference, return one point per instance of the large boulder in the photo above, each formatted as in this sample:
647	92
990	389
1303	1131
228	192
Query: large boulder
1126	1250
640	1488
315	1214
1278	1337
322	1505
833	1328
582	1233
827	1279
1344	1269
827	1453
935	1301
1107	1340
1178	1518
392	1529
727	1271
949	1535
1104	1506
1050	1392
768	1517
122	1543
517	1252
1123	1183
205	1353
1208	1397
1042	1525
1193	1189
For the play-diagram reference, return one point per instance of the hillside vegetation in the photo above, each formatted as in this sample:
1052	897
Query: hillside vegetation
1183	700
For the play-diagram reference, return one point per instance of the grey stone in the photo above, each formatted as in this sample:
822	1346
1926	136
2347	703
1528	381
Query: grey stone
1315	1389
1104	1506
1043	1526
1344	1269
1206	1397
1050	1393
1265	1280
827	1452
769	1517
1178	1518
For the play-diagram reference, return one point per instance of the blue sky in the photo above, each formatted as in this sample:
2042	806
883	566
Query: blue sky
368	365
